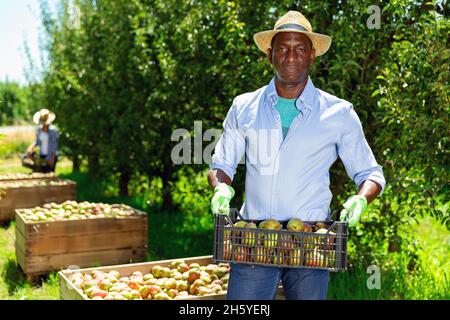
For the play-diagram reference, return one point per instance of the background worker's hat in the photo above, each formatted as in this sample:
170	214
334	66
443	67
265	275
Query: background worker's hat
293	21
44	116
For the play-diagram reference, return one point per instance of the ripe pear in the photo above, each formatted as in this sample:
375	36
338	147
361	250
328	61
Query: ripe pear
320	225
183	267
295	225
144	291
210	268
329	242
307	227
154	289
314	258
148	276
161	296
249	237
227	250
176	263
194	265
202	291
225	278
172	293
261	255
220	272
156	271
182	285
194	274
170	284
240	224
165	272
295	257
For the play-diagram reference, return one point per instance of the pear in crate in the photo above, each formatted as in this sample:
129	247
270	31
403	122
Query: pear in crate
260	255
327	244
249	237
241	254
271	239
238	234
294	257
315	258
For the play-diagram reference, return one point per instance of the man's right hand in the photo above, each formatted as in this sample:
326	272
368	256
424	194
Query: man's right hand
220	203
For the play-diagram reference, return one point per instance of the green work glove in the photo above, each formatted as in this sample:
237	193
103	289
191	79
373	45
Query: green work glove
220	203
353	208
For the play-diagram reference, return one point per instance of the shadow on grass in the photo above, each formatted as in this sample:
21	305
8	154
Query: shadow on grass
177	235
13	276
6	224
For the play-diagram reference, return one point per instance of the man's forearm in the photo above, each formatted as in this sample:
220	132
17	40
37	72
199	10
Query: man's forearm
370	190
217	176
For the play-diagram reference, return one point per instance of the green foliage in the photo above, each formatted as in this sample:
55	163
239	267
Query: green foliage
15	106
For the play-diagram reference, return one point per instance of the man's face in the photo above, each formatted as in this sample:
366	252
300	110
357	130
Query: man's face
291	55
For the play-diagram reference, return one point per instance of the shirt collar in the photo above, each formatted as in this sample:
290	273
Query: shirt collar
307	96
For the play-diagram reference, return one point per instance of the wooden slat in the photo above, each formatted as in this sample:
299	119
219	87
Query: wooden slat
84	243
36	230
20	223
67	291
20	257
20	242
44	264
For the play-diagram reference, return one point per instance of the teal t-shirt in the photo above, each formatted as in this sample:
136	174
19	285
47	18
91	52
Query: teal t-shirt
288	111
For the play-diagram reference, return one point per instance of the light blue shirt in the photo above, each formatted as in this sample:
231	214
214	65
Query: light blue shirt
52	141
287	178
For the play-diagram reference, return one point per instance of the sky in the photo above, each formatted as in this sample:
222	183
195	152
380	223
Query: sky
19	21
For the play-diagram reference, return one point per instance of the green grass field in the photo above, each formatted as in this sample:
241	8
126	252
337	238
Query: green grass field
175	235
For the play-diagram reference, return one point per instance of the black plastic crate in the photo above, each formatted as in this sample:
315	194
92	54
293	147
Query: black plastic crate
281	248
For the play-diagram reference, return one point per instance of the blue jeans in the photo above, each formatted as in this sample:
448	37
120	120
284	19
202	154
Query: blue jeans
255	282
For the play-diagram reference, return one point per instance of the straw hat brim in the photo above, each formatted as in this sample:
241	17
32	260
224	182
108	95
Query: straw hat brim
320	42
50	119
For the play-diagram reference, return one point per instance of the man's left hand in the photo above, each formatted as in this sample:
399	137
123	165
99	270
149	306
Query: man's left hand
353	208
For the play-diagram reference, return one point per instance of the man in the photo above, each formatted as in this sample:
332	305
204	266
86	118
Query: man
46	140
290	133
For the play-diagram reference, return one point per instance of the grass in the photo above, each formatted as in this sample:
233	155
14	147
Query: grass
16	143
175	235
430	279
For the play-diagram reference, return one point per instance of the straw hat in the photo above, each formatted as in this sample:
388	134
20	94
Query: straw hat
44	116
293	21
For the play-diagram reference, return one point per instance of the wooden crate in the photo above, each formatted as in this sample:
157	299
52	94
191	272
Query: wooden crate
67	291
29	197
42	247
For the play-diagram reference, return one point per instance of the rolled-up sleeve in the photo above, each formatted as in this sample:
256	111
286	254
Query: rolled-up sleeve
356	154
230	148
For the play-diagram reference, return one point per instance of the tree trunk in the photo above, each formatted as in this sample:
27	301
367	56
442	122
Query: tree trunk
93	164
75	164
124	179
167	194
